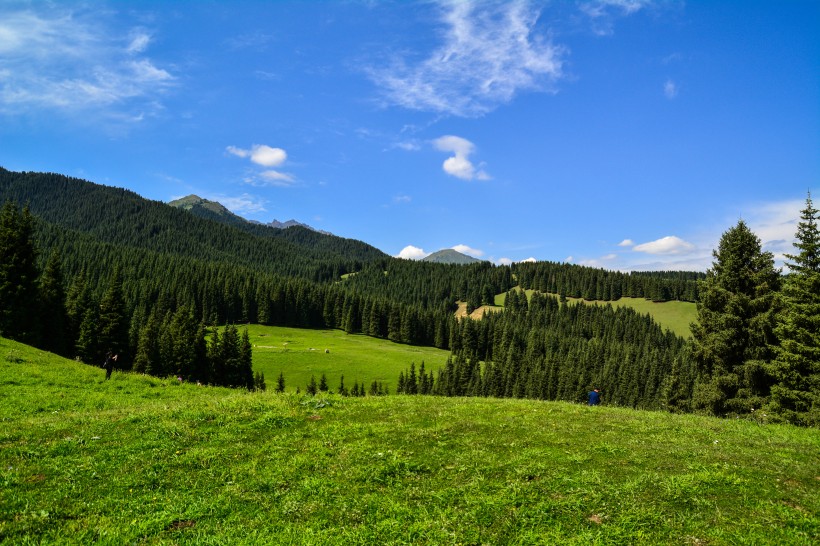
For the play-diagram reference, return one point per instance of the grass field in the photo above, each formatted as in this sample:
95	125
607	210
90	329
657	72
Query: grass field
673	315
301	353
139	460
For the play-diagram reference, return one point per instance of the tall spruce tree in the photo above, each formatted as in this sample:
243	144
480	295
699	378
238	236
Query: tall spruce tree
18	274
53	319
733	334
796	368
114	322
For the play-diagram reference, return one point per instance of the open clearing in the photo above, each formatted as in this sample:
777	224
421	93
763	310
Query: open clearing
301	353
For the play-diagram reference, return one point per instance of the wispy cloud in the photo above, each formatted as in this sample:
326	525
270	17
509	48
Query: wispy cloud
75	62
264	156
490	52
602	13
459	165
670	89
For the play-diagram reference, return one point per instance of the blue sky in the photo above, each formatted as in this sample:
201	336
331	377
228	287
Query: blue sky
624	134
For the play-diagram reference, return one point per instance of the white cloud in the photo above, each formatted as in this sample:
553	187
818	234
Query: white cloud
75	62
411	252
490	52
533	260
265	156
665	245
464	249
626	242
504	261
670	89
569	259
402	199
459	165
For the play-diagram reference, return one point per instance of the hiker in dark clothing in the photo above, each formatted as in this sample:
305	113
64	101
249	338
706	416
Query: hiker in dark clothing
109	364
594	397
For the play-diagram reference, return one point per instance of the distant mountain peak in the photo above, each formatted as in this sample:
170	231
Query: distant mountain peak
191	201
450	256
204	207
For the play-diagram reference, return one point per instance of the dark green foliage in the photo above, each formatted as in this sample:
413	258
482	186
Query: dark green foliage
733	335
311	388
53	319
552	351
600	284
280	382
796	367
18	274
323	384
113	323
259	381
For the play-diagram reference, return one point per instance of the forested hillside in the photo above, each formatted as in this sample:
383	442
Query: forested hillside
118	216
86	269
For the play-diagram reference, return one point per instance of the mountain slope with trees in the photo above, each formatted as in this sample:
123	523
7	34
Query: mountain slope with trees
86	268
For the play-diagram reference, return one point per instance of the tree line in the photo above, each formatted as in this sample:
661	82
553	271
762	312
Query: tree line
755	349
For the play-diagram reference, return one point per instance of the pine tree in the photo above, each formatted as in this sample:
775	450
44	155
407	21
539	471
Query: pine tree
323	383
113	322
280	382
796	368
734	329
259	381
18	274
53	319
311	386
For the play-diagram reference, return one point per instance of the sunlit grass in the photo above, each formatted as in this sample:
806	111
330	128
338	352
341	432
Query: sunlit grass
151	461
300	353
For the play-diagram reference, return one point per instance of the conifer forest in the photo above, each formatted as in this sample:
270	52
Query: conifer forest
87	269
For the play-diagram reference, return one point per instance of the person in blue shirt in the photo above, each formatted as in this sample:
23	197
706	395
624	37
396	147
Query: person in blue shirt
594	397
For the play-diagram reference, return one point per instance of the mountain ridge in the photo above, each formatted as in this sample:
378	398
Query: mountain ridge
214	210
450	256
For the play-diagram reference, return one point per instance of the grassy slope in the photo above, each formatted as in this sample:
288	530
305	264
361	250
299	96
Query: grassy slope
138	459
674	315
300	353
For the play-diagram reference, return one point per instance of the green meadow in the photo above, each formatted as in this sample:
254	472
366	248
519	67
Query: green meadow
141	460
672	315
300	353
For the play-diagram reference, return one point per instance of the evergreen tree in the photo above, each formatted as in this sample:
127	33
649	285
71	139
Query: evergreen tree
280	382
796	368
342	388
113	322
259	381
411	384
323	383
311	386
18	274
734	329
87	346
53	319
